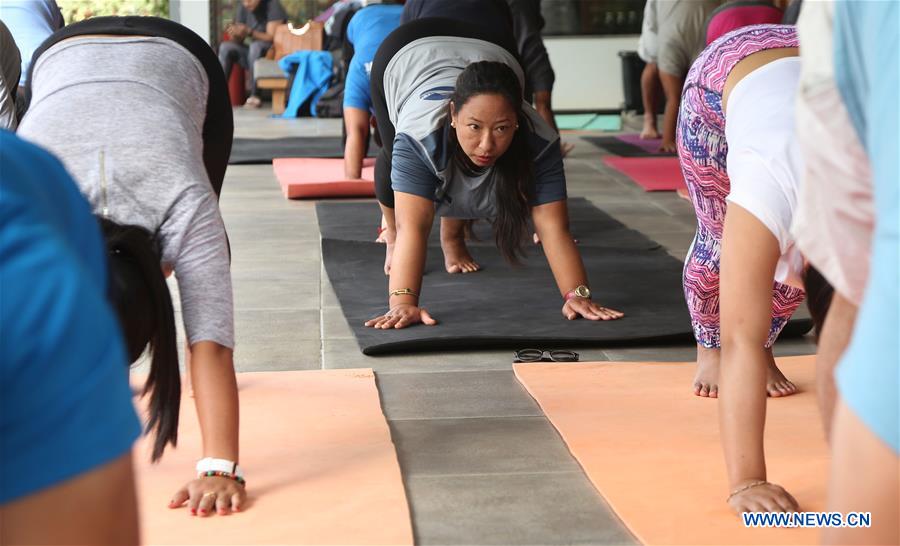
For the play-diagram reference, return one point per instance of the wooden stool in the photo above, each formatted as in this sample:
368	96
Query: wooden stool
278	86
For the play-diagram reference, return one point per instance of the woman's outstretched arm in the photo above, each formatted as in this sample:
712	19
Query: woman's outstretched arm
551	221
413	216
749	255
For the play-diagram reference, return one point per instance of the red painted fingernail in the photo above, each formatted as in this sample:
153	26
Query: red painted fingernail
202	511
193	511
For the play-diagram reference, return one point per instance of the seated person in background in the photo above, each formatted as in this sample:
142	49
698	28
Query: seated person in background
650	85
9	79
152	162
681	25
256	20
734	14
67	421
366	31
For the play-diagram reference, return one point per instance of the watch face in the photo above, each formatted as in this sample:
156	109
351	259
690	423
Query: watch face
583	292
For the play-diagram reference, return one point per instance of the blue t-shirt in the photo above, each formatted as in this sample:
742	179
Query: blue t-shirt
30	22
65	402
367	29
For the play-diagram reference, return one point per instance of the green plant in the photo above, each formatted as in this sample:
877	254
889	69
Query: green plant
78	10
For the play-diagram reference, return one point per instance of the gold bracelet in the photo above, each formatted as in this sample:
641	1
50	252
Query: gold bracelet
750	485
403	292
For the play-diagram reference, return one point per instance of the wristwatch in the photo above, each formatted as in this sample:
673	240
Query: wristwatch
580	291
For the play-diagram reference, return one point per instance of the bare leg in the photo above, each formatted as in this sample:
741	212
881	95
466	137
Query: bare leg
833	340
672	87
649	87
453	242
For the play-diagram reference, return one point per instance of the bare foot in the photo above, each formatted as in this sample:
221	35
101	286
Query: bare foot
777	385
456	256
389	236
649	133
706	380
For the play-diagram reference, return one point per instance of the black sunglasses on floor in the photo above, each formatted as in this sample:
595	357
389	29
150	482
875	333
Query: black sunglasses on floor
539	355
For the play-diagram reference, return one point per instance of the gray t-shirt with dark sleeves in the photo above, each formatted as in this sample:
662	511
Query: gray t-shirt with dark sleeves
125	115
418	82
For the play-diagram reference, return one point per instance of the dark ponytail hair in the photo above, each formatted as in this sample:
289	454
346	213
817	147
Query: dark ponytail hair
140	295
513	171
819	294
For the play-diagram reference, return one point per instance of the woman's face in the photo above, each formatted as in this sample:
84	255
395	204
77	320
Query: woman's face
484	126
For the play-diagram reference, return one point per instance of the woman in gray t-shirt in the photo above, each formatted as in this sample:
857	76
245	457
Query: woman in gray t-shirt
460	143
137	110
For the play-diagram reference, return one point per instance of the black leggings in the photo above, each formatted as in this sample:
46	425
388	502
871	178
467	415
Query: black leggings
218	128
397	40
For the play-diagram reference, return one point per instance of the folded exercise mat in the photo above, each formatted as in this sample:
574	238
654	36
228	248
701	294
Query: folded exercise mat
314	177
652	448
246	151
628	145
358	221
319	463
650	173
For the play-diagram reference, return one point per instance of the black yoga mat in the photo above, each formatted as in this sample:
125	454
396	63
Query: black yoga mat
246	151
621	148
504	306
514	307
359	221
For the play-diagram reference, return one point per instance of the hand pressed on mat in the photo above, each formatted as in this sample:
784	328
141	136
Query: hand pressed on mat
765	497
401	316
585	308
209	493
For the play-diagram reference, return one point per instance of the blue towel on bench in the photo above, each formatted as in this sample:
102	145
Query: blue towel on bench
313	73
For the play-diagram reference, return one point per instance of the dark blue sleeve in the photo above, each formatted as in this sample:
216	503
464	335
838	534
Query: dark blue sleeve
411	10
411	171
549	175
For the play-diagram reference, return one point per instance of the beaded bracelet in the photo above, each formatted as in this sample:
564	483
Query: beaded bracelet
229	475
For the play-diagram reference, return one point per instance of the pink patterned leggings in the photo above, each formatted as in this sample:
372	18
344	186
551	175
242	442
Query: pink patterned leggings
702	150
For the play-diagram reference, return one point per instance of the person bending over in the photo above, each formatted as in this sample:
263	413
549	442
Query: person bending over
151	162
742	165
367	29
460	142
648	50
681	27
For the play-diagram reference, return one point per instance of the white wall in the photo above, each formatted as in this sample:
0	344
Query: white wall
193	14
588	71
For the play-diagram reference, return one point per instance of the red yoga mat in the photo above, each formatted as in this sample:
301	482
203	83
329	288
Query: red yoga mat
310	178
650	173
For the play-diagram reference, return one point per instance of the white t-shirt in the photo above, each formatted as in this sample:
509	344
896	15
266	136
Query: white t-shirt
764	159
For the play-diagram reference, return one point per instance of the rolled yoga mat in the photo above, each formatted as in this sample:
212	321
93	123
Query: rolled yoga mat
319	462
504	306
250	151
652	448
650	173
628	145
315	177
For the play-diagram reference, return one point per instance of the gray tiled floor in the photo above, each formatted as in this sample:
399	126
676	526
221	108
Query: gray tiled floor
481	464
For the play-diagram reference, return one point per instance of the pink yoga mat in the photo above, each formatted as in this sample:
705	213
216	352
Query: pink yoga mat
313	177
650	173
